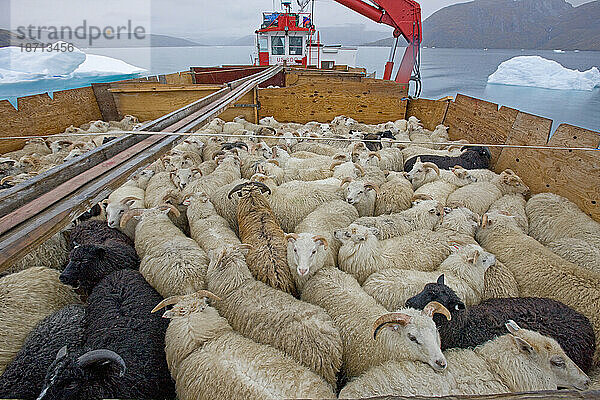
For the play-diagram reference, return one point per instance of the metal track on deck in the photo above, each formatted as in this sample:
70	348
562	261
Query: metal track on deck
33	211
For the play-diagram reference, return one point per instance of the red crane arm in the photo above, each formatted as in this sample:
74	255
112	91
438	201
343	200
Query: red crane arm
405	17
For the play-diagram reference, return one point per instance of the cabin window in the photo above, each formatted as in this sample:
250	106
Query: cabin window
295	45
263	44
277	46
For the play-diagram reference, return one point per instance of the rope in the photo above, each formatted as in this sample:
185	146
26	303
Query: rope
112	133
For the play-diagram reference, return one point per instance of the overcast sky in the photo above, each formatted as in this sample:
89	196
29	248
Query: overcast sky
194	19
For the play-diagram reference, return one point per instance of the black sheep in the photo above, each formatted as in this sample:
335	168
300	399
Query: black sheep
24	376
477	324
472	157
95	232
122	354
374	146
89	263
89	214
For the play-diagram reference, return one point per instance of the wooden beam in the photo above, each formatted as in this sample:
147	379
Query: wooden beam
542	395
106	102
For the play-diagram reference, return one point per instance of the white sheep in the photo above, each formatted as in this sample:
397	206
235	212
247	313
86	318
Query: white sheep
362	254
395	195
424	215
269	316
521	361
361	194
577	251
553	217
171	262
207	228
354	311
479	196
209	360
463	271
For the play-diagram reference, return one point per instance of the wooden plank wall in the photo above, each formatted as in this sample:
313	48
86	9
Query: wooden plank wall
297	76
40	114
430	112
368	101
574	174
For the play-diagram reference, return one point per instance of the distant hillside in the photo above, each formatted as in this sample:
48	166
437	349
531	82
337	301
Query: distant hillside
8	38
528	24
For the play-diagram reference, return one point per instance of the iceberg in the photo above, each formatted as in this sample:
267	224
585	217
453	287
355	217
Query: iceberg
24	73
536	71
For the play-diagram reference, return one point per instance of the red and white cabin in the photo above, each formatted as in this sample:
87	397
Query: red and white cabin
291	39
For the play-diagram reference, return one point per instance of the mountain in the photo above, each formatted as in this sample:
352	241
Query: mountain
8	38
528	24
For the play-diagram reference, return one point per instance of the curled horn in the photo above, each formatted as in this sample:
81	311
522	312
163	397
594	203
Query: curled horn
372	186
217	154
170	207
126	199
375	154
322	240
197	170
235	189
239	145
335	164
421	196
171	195
274	162
484	220
339	157
295	133
102	355
7	179
346	180
360	168
263	188
128	215
433	307
433	167
395	318
176	299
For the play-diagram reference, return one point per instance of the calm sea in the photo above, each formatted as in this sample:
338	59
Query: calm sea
445	72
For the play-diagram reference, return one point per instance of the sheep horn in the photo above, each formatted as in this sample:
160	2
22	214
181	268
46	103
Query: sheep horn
433	307
395	318
322	240
274	162
375	154
484	220
512	326
6	179
360	168
357	145
167	302
126	199
217	154
128	215
171	207
421	196
236	188
346	180
340	157
94	356
335	164
432	166
239	145
263	188
373	186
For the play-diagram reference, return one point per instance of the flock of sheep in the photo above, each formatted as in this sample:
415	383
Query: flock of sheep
315	261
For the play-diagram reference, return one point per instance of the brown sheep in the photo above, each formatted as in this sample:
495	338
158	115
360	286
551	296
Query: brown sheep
258	227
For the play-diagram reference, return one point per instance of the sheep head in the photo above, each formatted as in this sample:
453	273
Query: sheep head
356	234
71	373
116	210
545	354
509	182
438	292
306	252
360	192
416	332
418	174
185	304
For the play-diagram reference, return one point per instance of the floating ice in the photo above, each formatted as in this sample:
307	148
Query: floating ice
559	51
539	72
18	65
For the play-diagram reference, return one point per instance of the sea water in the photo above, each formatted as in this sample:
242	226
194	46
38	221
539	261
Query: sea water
444	72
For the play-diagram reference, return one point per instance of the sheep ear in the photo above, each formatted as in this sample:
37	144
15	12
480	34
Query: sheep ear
440	280
522	344
130	203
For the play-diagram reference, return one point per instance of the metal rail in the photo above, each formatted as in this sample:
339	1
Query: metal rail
33	211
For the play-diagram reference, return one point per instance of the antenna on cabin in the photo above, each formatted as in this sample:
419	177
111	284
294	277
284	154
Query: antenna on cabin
287	4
